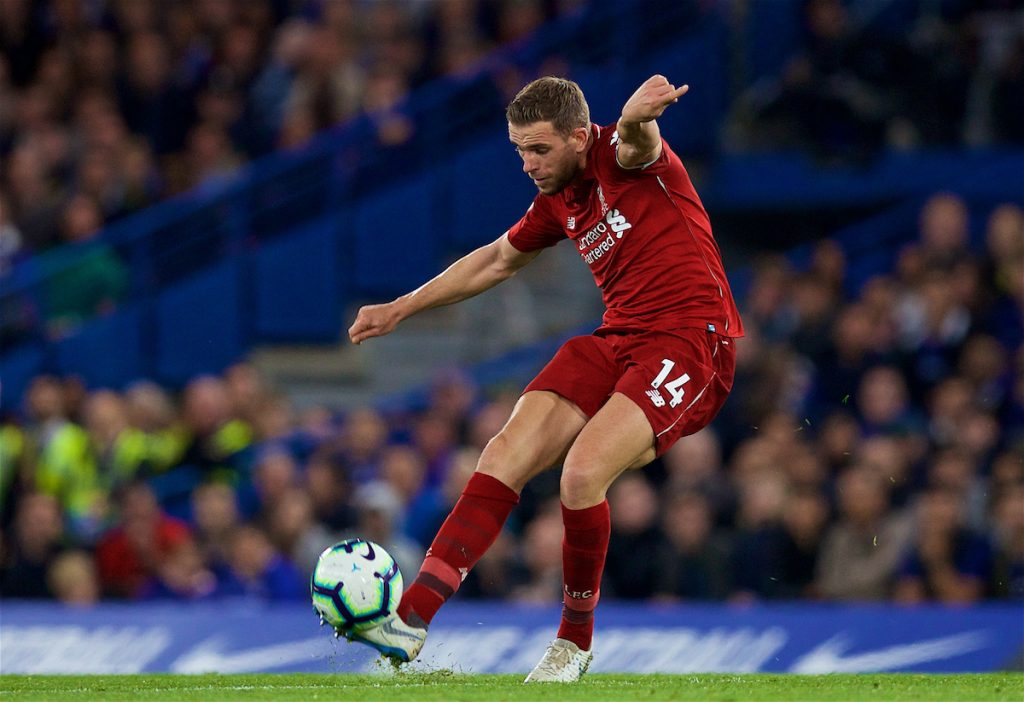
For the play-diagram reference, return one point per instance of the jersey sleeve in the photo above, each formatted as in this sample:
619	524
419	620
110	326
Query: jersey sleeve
537	229
608	162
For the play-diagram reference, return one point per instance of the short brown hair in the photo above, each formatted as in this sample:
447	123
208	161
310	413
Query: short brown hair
549	99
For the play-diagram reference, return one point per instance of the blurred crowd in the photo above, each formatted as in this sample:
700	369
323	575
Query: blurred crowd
107	106
905	74
872	450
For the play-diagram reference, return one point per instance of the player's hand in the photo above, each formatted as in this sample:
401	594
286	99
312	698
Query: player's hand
374	320
651	99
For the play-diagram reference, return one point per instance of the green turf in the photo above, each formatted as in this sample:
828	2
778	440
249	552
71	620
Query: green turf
447	687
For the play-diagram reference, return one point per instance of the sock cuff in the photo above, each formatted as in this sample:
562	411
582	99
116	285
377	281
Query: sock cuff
580	604
586	518
444	572
487	486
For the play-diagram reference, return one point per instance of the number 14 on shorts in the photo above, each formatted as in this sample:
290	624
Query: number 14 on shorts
674	387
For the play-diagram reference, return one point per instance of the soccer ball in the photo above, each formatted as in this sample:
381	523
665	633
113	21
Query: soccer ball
355	585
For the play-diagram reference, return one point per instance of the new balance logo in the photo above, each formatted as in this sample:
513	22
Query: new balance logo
656	398
570	223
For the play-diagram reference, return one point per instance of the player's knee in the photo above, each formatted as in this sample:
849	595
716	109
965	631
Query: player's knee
578	488
500	460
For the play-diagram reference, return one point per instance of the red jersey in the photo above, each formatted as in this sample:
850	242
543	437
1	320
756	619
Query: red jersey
646	238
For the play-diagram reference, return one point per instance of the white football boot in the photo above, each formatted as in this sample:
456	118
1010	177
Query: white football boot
564	661
393	638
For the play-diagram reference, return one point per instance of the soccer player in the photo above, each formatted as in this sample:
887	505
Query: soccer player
659	367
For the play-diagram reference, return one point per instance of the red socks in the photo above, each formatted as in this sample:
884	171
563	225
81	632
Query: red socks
584	548
472	527
467	533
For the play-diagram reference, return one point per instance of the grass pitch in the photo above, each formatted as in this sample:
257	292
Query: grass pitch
447	687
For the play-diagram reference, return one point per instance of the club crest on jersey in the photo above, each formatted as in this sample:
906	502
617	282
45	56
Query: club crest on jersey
600	197
570	223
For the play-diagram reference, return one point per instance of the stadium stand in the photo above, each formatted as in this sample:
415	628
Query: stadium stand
878	415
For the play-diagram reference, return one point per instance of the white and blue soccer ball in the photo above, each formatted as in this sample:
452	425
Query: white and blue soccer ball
356	584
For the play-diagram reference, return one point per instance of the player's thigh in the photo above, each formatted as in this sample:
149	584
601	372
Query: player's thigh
679	381
536	437
617	438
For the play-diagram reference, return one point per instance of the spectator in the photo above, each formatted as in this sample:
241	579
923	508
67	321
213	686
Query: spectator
257	571
883	402
181	575
133	552
378	512
151	411
694	464
862	551
944	236
947	563
541	558
434	437
633	548
37	540
274	473
73	580
86	280
404	470
67	466
804	519
216	435
215	517
1008	515
695	561
122	451
331	488
363	437
826	99
294	533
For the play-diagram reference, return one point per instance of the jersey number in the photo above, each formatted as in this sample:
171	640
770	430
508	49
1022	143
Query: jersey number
674	387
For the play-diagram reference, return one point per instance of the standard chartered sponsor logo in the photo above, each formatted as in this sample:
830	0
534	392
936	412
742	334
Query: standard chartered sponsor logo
602	236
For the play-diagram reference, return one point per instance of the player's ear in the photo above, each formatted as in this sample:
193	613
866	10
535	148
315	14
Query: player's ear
579	138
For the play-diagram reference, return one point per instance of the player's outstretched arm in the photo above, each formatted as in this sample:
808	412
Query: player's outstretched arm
639	137
472	274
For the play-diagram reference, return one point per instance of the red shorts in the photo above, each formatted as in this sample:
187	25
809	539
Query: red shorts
680	379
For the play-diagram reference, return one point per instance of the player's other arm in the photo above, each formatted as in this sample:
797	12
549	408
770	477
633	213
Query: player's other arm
472	274
639	137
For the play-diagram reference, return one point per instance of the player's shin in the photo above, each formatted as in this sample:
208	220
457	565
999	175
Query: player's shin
467	533
584	548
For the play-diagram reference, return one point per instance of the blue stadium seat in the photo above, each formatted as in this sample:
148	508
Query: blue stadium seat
490	193
17	367
297	281
394	235
108	351
199	328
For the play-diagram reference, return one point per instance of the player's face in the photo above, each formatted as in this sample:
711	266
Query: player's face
552	160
